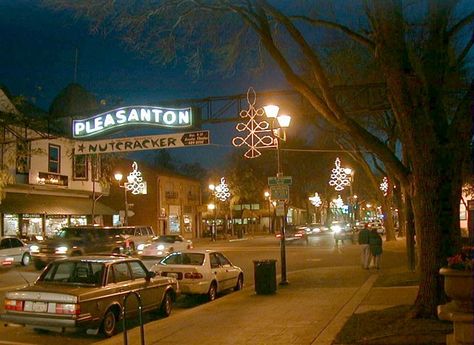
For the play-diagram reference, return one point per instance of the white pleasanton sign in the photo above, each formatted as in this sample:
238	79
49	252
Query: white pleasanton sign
151	142
132	115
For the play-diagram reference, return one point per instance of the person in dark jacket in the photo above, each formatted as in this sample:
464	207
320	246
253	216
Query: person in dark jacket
375	245
363	240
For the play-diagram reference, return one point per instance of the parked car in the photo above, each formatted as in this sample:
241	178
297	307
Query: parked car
316	228
13	251
201	272
76	241
297	233
163	245
88	293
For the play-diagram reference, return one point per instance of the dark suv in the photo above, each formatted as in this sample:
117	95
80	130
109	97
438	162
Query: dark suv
75	241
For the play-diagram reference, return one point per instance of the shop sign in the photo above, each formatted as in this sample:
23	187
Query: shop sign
153	142
52	179
132	116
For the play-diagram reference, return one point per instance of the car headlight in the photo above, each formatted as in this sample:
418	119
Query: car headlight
141	246
34	248
61	250
336	228
160	247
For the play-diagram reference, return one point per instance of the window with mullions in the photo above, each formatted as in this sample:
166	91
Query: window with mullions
54	158
79	167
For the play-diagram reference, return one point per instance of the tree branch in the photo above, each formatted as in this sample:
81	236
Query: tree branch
342	28
469	19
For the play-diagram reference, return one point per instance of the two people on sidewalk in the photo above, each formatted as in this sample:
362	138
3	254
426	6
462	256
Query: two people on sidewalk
371	243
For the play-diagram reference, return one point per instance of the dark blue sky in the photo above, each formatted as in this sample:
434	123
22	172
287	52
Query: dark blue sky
37	61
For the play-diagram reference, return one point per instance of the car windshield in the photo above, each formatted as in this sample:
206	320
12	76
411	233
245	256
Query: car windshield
196	259
74	272
69	233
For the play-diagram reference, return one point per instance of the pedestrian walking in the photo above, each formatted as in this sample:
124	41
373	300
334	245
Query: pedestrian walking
363	240
375	245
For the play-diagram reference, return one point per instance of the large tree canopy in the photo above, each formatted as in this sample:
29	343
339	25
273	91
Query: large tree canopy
418	48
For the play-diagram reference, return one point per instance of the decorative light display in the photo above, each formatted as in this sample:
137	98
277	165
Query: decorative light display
384	186
222	190
135	182
339	178
259	134
315	200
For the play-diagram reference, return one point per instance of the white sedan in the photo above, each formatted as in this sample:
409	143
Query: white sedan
201	272
163	245
13	251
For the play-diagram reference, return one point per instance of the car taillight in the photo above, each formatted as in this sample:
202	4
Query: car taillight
12	304
192	275
68	309
298	234
278	235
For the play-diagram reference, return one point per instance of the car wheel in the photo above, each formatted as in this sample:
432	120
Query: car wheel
26	259
212	293
166	304
240	283
109	324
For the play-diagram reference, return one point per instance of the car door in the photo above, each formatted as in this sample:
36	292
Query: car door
5	250
230	272
218	271
17	248
151	293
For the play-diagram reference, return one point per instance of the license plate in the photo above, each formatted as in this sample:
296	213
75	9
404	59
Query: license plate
40	307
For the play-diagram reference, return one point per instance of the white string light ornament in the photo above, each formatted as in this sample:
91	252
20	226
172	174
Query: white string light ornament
315	200
259	134
135	182
222	190
339	178
384	186
339	203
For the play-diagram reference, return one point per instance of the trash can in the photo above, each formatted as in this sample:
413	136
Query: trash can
265	276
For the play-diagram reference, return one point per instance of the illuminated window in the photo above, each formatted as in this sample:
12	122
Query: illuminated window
80	167
54	156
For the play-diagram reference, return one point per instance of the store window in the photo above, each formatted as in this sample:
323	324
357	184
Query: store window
54	223
173	220
23	156
188	223
11	225
54	155
78	220
79	167
31	225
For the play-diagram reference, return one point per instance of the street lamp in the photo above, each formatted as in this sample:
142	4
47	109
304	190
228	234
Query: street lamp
118	177
280	135
266	194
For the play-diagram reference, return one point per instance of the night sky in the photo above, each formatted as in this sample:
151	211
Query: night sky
38	58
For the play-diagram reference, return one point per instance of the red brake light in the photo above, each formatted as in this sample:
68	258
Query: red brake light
11	304
68	309
193	275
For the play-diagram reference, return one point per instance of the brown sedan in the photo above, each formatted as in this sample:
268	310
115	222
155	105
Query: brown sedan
88	292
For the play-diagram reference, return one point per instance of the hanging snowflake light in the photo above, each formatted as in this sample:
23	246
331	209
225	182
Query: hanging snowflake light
339	178
384	186
259	134
222	190
135	182
339	203
315	200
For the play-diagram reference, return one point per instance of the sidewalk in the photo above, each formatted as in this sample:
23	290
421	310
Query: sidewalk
312	309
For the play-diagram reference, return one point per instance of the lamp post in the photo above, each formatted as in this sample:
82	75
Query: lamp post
118	177
266	194
280	135
212	188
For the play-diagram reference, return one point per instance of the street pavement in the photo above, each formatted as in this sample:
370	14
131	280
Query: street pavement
311	309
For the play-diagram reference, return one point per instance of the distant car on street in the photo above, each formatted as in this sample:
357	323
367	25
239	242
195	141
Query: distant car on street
377	224
13	251
342	231
201	272
295	233
88	293
316	228
163	245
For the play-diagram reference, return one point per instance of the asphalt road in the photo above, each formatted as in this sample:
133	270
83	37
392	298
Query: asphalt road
320	251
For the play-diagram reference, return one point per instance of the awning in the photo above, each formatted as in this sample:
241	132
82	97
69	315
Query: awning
51	204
